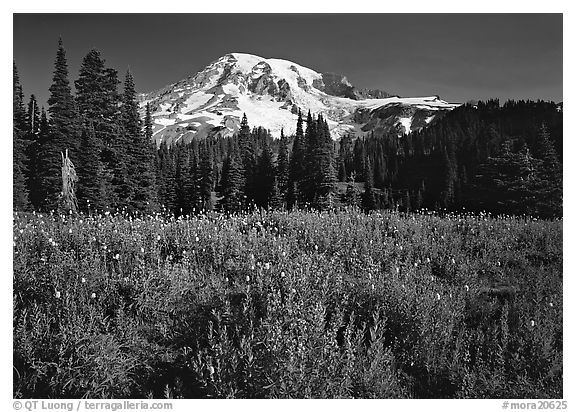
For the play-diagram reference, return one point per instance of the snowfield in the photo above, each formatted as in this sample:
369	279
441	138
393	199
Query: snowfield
270	92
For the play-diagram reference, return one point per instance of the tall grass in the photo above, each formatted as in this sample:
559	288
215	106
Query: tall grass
287	305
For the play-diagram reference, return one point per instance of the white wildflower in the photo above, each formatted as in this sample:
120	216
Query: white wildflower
83	280
467	288
93	296
282	274
57	294
247	278
141	250
158	238
532	323
197	239
437	296
267	266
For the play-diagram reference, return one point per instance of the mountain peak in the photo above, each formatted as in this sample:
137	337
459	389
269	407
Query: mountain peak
271	91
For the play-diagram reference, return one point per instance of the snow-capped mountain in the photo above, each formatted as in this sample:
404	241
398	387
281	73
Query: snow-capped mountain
270	92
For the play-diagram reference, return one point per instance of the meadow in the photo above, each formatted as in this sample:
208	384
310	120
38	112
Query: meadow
287	305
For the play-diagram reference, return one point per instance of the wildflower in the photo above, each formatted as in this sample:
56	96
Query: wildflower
247	278
293	290
437	296
282	274
415	264
397	269
467	288
427	260
141	250
158	238
57	294
197	239
70	231
267	266
551	304
93	296
117	256
315	247
400	247
453	261
532	323
83	280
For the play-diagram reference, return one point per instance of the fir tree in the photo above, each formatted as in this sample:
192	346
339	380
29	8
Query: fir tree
206	178
233	197
283	165
139	155
91	193
32	139
265	179
20	192
64	124
352	195
297	166
98	103
549	176
368	199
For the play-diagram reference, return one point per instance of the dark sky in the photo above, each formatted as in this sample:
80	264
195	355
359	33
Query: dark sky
457	56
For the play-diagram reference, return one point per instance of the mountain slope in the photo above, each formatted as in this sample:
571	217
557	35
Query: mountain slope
270	92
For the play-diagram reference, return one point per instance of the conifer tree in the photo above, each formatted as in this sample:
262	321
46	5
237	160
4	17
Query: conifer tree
352	195
249	159
64	123
32	139
90	193
276	201
99	104
283	165
368	199
140	152
265	178
184	180
37	191
20	192
233	197
206	178
549	176
297	167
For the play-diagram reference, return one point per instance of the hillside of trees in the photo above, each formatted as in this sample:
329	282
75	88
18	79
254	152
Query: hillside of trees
504	159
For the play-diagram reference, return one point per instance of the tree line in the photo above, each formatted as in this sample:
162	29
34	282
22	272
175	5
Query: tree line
499	158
